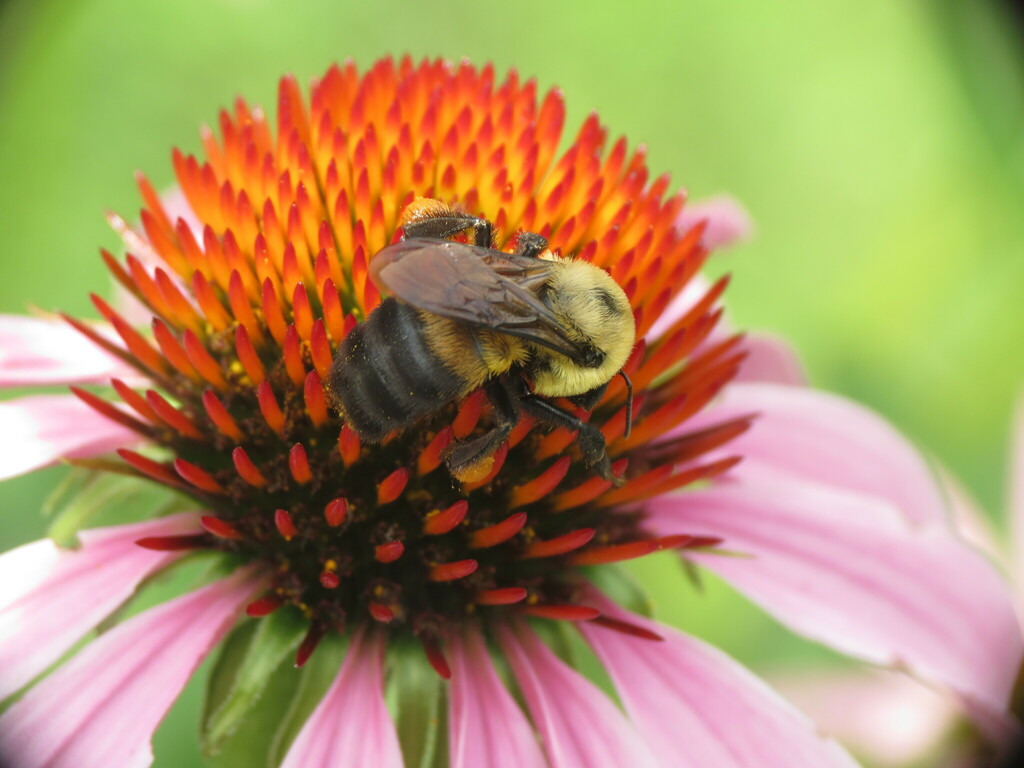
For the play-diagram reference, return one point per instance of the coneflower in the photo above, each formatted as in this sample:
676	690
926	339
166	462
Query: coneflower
220	398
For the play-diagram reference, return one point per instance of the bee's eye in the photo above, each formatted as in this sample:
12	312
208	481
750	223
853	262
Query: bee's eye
605	298
592	358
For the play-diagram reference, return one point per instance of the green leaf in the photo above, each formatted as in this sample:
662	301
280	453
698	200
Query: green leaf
87	497
313	681
219	566
622	587
239	678
418	700
692	573
68	486
252	741
230	658
558	636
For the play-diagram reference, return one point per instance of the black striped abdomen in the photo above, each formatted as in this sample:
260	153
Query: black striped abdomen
385	376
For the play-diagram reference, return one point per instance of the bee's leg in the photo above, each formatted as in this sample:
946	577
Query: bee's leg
530	244
472	459
589	400
446	226
589	438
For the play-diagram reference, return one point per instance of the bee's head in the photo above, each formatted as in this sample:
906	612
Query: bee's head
594	312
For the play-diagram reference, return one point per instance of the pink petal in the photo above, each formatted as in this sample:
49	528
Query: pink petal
976	529
967	517
1016	493
831	440
39	430
695	707
1000	727
884	716
50	598
728	222
844	569
351	726
771	360
128	306
487	729
580	727
36	352
101	708
176	206
681	303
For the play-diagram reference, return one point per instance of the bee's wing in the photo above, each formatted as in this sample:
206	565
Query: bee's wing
528	272
474	286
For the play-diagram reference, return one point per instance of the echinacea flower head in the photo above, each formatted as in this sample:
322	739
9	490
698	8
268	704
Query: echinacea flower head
252	280
249	312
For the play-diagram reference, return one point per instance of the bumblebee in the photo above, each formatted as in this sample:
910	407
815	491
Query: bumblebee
525	326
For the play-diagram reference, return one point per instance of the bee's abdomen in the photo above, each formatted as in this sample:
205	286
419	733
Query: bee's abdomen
384	375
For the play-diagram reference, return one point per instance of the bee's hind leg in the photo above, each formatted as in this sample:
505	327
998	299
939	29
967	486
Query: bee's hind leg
530	244
446	226
472	460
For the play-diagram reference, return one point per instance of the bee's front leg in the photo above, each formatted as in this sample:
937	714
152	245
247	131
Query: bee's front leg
589	438
589	400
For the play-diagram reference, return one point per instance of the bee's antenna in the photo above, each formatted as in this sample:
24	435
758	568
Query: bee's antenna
629	403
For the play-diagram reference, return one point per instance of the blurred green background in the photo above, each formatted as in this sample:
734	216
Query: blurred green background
877	145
